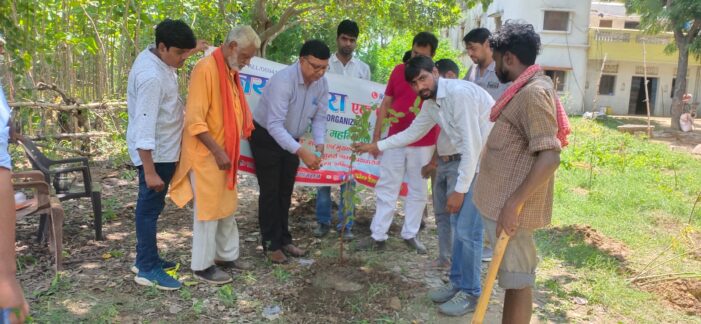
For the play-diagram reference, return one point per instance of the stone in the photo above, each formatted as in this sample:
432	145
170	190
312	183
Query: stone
697	149
395	303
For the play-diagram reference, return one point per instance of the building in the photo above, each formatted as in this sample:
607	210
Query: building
563	28
576	35
614	34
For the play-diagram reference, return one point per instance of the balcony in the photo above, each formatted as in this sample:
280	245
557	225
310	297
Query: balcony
627	46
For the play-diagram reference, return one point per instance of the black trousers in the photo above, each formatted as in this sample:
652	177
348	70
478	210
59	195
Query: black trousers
276	169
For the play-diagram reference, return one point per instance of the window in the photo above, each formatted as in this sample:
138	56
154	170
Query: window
558	77
631	25
556	21
607	85
606	23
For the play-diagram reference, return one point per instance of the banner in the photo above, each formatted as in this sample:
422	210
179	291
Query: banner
348	97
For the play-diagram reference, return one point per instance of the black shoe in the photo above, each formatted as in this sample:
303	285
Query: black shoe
321	230
414	243
369	244
213	275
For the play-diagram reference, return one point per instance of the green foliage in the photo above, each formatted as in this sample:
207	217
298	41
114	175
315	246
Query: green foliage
227	295
383	59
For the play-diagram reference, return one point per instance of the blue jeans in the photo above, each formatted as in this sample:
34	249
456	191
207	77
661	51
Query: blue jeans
323	206
149	206
467	246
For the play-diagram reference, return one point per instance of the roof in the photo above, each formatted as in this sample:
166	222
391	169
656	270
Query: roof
615	9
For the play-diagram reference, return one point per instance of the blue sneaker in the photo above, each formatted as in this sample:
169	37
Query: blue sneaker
159	278
166	265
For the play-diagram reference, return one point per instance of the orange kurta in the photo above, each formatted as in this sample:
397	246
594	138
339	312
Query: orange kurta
203	113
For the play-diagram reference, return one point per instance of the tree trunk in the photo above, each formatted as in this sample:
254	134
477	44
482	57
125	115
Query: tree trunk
680	84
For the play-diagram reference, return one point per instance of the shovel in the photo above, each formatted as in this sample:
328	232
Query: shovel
483	301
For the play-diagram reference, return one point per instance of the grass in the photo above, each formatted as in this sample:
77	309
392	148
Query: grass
633	191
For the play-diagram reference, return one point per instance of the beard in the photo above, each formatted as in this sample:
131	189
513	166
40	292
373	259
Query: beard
233	62
426	94
502	75
346	51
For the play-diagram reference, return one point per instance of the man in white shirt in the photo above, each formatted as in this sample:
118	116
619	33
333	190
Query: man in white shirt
342	62
153	139
461	109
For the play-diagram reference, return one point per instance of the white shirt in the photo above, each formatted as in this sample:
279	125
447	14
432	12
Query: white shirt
461	109
155	109
354	68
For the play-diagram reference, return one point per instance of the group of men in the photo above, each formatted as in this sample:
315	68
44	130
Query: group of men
490	143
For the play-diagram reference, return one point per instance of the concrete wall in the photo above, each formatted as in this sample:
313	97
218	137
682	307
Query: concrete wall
560	50
619	101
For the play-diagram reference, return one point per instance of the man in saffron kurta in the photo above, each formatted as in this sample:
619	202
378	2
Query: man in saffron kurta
217	116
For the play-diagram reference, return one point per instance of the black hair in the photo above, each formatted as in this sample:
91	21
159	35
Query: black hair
415	65
426	39
348	27
519	39
445	65
477	35
406	57
175	33
315	48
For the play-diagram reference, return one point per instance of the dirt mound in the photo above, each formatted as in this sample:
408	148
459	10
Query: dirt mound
339	293
683	294
591	236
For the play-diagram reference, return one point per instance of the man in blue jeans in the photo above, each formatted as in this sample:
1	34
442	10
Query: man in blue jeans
153	138
461	109
342	62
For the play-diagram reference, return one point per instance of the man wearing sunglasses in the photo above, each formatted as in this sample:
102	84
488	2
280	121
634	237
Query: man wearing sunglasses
295	97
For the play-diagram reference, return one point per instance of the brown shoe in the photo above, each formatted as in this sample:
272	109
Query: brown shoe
294	251
277	257
234	264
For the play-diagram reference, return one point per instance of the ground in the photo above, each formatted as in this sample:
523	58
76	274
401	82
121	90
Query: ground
603	236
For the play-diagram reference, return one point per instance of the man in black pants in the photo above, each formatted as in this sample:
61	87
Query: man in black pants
294	97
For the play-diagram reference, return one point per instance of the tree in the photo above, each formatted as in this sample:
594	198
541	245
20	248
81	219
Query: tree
683	17
271	18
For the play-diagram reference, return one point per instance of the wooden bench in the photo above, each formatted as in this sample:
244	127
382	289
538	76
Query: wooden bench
632	128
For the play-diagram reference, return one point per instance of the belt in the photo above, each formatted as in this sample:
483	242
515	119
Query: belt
450	158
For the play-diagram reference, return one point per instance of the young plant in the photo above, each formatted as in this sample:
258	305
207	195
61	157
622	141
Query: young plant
360	133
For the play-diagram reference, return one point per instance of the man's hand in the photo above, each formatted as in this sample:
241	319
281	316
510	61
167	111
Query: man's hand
508	219
310	159
454	202
11	297
366	148
223	161
153	181
428	170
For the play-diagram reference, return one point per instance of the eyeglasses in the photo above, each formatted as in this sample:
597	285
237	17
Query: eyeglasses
315	67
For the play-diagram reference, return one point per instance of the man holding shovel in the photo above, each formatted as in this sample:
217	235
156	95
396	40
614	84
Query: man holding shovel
514	189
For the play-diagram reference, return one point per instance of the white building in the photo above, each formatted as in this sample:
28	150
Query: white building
563	28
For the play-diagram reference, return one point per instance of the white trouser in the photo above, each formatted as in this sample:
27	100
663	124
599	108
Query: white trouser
395	166
218	239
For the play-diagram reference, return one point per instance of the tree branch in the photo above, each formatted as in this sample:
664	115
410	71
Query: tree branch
290	12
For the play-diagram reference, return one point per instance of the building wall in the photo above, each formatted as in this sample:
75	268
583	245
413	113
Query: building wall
619	101
560	50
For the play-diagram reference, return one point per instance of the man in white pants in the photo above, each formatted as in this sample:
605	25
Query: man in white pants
402	163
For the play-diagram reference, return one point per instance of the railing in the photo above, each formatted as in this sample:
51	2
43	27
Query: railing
609	35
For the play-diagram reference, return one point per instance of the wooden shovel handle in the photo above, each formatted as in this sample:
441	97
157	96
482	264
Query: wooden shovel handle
483	302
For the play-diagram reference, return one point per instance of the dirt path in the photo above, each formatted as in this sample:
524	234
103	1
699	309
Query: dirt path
385	287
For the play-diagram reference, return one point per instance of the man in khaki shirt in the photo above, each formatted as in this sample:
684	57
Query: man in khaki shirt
514	189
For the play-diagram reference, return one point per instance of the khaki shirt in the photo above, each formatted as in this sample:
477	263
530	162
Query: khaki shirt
526	126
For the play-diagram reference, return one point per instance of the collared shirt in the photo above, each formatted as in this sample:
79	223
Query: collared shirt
5	112
288	106
403	98
489	81
526	126
461	109
354	68
155	109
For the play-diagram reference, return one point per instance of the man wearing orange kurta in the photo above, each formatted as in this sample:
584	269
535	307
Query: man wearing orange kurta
217	116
